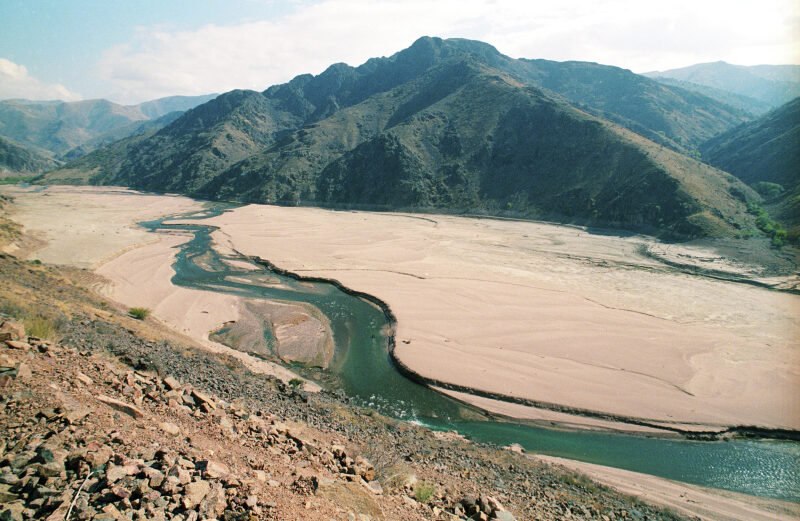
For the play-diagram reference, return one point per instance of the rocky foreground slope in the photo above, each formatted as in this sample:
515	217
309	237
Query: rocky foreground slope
114	418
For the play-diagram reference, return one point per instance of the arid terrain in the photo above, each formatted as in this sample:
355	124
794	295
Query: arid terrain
489	292
554	314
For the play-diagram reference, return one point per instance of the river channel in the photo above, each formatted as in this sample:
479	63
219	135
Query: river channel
367	375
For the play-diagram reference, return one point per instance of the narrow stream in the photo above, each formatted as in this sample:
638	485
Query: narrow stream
362	363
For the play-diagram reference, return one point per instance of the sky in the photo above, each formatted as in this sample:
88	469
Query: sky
137	50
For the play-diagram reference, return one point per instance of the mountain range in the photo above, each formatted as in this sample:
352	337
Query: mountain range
756	89
67	130
451	125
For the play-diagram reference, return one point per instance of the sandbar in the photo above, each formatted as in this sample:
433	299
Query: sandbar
548	313
96	228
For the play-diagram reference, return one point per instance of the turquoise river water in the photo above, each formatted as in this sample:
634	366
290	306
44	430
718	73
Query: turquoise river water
367	375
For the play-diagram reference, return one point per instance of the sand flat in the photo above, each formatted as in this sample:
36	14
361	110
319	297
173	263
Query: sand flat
543	312
84	226
550	313
95	227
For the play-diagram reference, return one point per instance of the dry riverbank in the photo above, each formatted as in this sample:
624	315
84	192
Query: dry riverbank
551	314
557	261
95	228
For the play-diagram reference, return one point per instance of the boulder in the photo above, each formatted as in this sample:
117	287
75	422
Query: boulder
82	378
203	398
24	371
351	496
130	410
10	330
214	470
169	428
194	493
171	383
115	473
214	502
18	344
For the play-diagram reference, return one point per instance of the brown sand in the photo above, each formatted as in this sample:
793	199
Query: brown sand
95	227
490	293
550	313
77	227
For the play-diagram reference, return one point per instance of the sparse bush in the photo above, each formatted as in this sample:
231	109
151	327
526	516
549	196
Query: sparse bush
12	180
297	383
41	327
772	229
581	481
423	491
139	313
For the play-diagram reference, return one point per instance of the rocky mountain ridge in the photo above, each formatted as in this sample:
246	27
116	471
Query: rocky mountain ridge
67	130
407	132
772	85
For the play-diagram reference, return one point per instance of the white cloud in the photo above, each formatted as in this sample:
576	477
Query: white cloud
628	33
15	82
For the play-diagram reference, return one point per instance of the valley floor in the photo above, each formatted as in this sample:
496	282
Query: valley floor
492	294
552	315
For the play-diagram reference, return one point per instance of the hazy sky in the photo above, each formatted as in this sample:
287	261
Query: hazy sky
132	51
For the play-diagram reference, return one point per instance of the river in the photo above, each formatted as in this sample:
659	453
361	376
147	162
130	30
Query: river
367	375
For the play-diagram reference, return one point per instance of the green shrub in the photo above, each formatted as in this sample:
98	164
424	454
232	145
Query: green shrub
297	383
423	491
772	229
41	327
12	180
768	190
139	313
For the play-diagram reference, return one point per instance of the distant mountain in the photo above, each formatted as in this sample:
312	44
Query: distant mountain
160	107
746	104
121	132
16	159
773	85
61	127
452	125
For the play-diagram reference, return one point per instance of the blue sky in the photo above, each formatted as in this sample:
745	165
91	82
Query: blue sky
131	51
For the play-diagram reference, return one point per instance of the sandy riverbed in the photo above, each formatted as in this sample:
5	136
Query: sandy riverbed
95	228
516	307
550	313
85	226
547	313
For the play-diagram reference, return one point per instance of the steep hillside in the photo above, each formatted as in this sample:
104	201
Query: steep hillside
672	116
463	137
448	124
18	159
60	127
766	150
770	84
